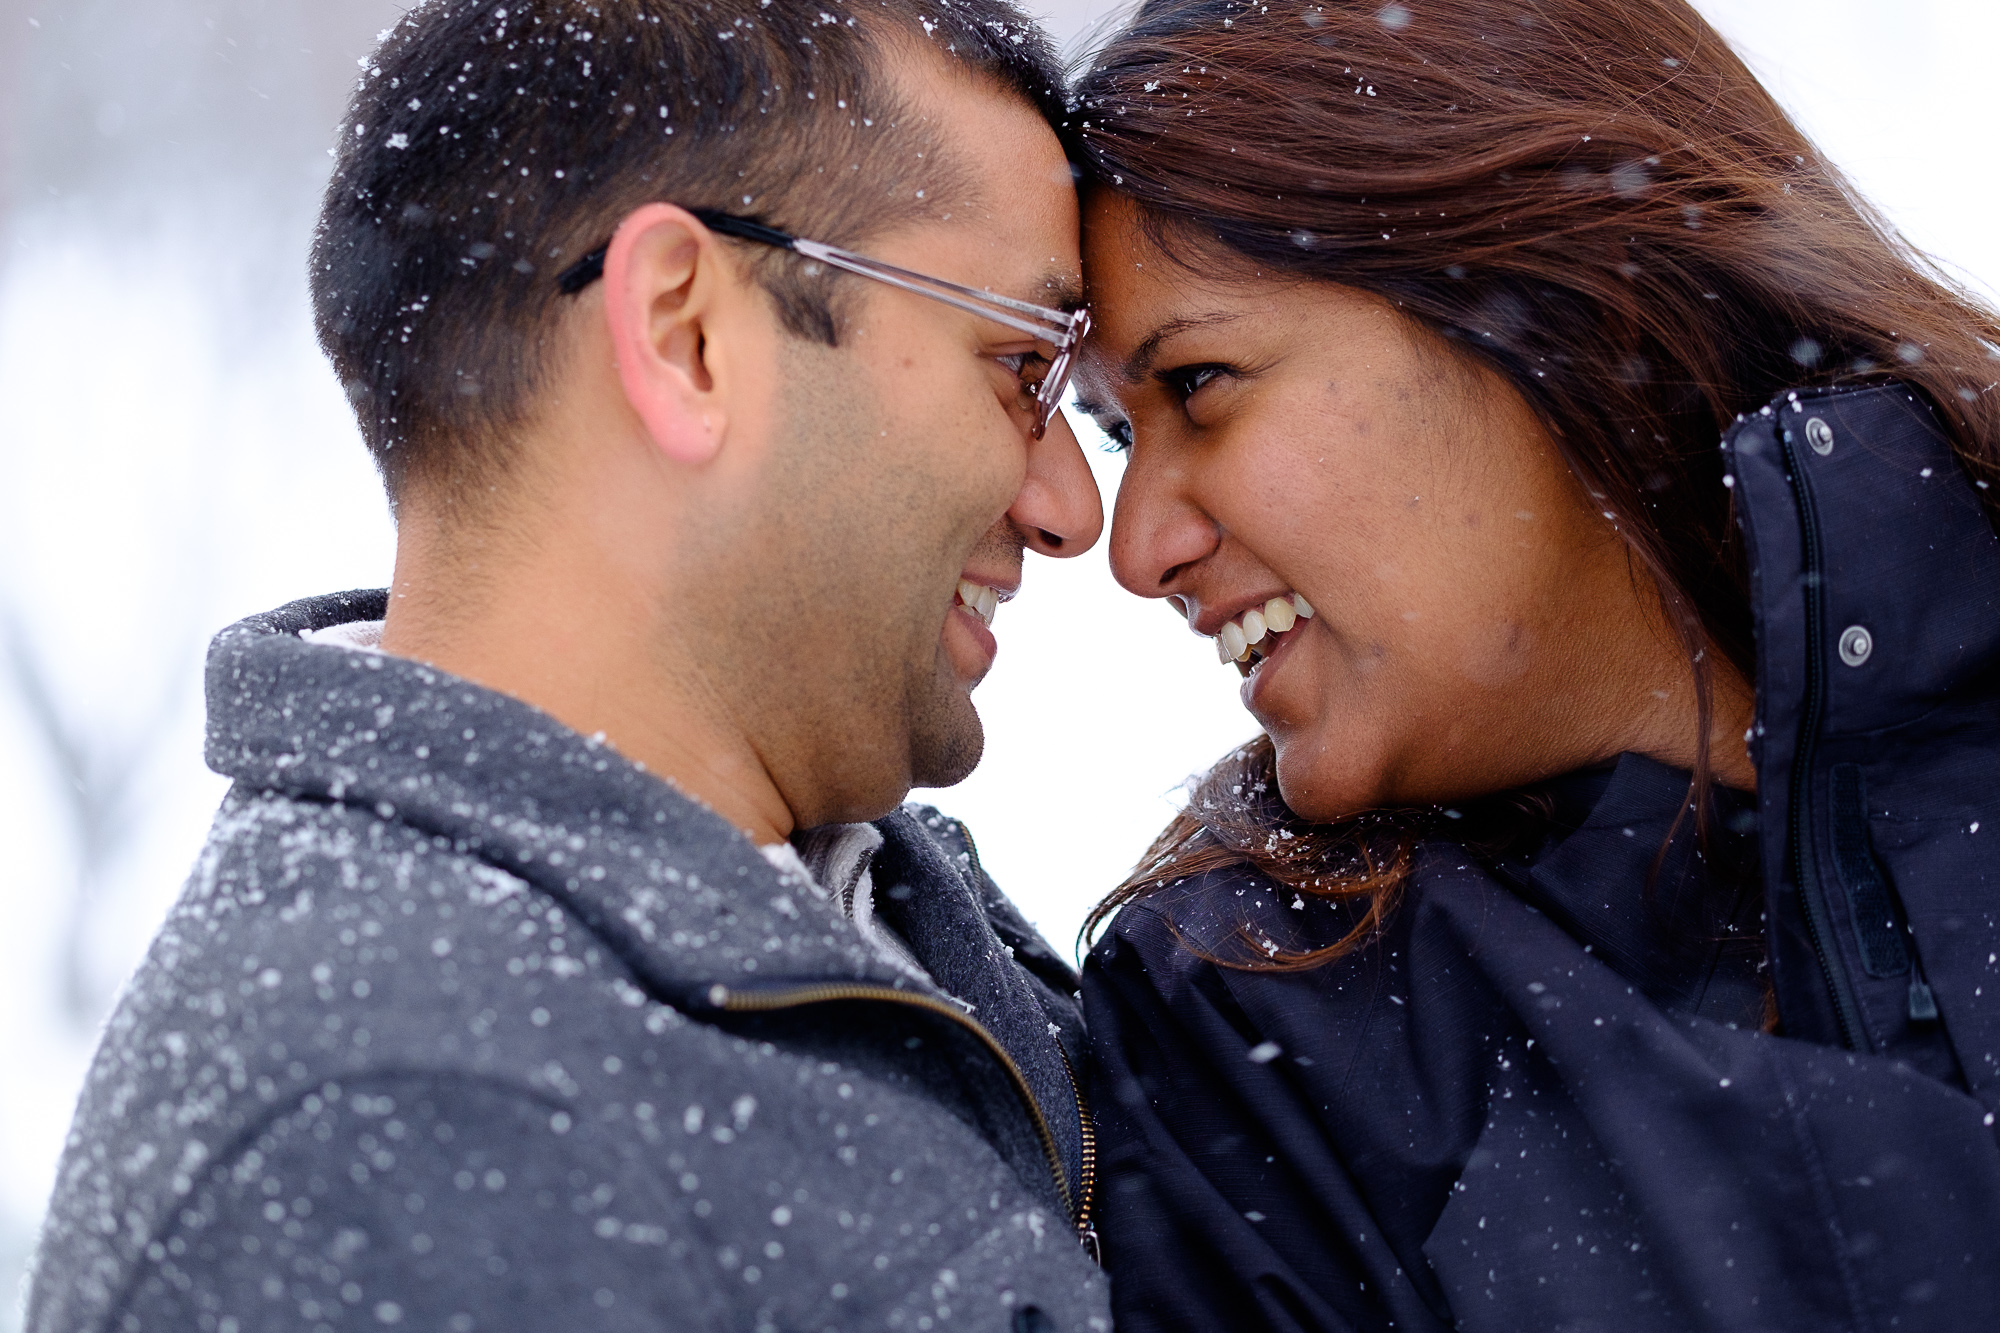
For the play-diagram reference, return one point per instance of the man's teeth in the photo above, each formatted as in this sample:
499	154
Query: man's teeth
979	599
1252	635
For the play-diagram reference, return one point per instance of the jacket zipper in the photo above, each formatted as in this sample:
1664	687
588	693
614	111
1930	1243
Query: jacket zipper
972	854
1086	1153
764	1002
1819	927
1086	1158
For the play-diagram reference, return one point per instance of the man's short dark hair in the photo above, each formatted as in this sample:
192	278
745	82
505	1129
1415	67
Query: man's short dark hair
491	143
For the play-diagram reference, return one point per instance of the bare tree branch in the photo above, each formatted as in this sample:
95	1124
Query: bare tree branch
98	786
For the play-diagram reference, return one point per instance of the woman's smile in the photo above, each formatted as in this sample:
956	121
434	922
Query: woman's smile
1378	533
1267	658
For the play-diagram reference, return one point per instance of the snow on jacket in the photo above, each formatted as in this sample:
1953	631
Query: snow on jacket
1543	1099
466	1022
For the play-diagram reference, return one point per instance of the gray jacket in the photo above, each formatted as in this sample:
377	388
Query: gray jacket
465	1022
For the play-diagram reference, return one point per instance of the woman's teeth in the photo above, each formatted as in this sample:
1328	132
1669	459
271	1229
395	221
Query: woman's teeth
1253	636
979	599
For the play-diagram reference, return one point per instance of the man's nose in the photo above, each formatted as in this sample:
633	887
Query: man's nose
1058	507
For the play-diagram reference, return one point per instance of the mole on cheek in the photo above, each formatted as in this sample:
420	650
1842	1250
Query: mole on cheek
1472	520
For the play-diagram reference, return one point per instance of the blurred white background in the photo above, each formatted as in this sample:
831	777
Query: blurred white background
174	454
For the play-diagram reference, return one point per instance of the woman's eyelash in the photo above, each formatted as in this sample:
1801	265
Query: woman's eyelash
1186	381
1182	381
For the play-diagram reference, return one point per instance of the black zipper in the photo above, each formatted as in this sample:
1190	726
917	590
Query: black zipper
1086	1163
972	857
1819	924
1086	1128
764	1002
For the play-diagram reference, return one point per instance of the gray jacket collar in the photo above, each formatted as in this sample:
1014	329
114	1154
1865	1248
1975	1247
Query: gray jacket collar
676	890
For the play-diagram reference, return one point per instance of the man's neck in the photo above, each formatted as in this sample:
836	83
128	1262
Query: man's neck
559	628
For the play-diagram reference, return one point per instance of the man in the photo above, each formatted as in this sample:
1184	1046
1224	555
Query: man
541	971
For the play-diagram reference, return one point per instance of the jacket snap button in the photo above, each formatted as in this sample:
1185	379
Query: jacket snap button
1855	645
1820	436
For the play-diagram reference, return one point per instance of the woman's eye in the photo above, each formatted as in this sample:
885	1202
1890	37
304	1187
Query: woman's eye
1117	434
1188	380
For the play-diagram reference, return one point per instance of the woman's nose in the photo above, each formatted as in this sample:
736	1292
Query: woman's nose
1157	533
1058	507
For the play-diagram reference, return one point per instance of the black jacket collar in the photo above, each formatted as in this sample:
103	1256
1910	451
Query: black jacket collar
1875	583
1684	925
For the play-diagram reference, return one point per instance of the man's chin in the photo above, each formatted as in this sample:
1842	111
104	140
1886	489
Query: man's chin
946	742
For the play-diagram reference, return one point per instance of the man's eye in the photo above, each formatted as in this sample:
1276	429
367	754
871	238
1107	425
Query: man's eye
1029	367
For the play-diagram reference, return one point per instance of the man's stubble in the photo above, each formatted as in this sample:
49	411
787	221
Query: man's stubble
844	682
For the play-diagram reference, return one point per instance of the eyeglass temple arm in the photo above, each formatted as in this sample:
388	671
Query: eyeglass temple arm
1033	320
1021	316
1041	320
591	267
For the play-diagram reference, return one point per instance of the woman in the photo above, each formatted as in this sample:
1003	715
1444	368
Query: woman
1500	984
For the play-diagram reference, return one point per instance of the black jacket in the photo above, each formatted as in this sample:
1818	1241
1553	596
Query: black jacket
1543	1098
466	1021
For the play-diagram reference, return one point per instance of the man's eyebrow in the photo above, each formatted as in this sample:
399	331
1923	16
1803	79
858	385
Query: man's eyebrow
1141	361
1060	290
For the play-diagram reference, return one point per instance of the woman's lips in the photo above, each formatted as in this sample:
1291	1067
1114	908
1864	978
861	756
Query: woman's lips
1256	633
1258	674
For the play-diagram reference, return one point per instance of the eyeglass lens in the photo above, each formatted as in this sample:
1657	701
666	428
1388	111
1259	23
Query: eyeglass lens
1048	396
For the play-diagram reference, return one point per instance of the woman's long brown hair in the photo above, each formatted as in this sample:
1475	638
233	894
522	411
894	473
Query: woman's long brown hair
1595	198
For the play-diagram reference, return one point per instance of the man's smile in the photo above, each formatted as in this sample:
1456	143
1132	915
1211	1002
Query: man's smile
968	637
980	599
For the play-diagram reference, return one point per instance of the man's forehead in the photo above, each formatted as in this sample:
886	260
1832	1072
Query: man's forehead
1020	250
992	132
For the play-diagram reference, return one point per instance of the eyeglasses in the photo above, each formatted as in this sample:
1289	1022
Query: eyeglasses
1062	330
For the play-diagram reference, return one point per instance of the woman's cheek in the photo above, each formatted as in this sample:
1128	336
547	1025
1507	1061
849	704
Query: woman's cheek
1496	653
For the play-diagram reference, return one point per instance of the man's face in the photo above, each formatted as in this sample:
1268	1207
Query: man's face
901	472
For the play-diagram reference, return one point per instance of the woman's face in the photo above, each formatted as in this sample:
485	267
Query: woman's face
1476	623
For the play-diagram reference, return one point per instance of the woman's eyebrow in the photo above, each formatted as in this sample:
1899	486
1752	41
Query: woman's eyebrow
1140	363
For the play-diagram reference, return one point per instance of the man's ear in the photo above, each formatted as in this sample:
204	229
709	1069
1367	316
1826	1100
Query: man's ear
662	275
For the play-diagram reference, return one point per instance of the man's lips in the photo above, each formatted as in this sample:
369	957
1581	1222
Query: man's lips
981	599
982	591
973	605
